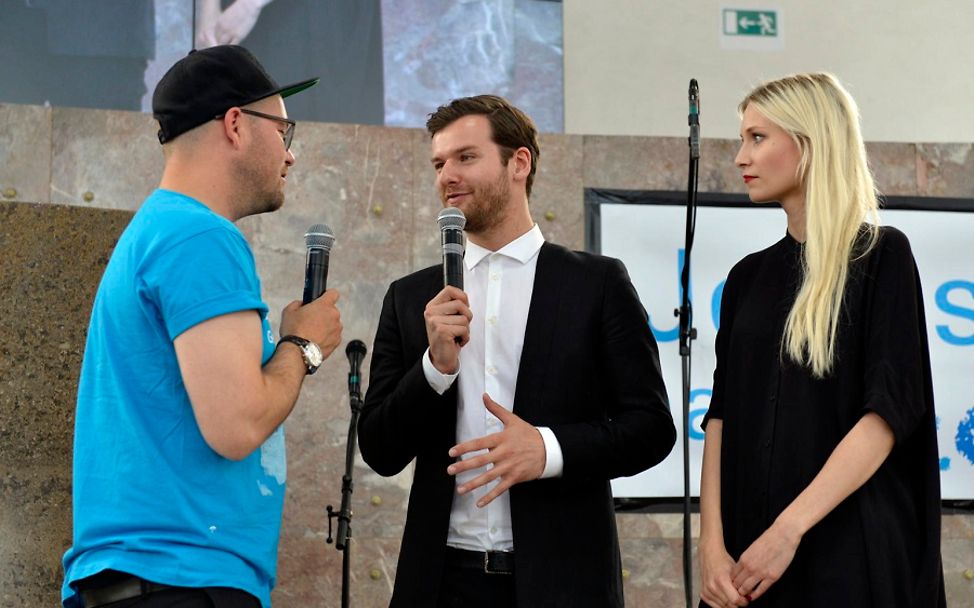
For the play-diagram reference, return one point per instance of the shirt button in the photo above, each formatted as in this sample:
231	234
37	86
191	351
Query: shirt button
493	530
494	276
491	370
767	443
773	397
492	320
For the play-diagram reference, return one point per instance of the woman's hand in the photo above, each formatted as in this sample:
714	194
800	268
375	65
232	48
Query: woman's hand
765	560
716	585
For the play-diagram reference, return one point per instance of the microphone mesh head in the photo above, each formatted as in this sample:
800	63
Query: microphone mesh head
319	236
355	347
451	217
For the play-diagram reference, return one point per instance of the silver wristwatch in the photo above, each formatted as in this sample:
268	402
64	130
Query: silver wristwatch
309	350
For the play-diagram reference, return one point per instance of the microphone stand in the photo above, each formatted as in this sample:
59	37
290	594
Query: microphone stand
687	332
355	352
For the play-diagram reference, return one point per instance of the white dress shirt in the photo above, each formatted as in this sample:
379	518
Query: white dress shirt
498	285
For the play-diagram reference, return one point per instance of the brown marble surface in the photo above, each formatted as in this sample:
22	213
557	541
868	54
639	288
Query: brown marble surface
945	170
374	187
51	259
635	163
894	167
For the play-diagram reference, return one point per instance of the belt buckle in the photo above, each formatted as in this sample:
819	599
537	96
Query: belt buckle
487	565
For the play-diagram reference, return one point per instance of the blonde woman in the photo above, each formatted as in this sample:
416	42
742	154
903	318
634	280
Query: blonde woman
820	482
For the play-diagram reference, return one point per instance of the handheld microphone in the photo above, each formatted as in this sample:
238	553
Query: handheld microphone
355	351
452	221
318	240
693	119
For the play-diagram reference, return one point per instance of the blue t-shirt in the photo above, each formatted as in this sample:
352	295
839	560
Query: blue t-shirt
151	498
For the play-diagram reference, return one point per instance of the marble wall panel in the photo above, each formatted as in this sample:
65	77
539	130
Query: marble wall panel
717	171
945	170
958	559
426	205
653	572
35	530
51	260
894	167
371	575
103	159
957	526
635	163
25	153
343	173
556	197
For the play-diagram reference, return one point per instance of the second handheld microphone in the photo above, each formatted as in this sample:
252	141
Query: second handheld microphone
318	240
452	221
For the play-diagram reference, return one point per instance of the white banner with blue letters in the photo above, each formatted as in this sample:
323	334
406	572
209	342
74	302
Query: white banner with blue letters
649	239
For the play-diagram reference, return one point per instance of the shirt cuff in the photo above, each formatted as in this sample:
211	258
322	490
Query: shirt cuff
554	462
438	381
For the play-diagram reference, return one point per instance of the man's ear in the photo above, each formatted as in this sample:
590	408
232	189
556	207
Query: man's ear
522	163
231	122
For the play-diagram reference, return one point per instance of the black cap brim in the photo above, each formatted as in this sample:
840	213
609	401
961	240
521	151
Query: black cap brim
296	87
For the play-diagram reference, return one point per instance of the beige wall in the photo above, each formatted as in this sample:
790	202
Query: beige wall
907	63
373	186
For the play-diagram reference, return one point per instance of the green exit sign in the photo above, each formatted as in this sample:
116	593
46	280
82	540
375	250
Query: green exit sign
761	24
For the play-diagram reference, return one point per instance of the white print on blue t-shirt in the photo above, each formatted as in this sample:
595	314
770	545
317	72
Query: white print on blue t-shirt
273	457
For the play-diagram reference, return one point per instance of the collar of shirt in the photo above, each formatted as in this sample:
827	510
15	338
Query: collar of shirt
522	249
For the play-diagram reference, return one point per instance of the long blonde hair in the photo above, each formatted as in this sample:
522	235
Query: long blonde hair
840	196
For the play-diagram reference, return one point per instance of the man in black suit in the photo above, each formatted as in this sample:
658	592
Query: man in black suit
519	397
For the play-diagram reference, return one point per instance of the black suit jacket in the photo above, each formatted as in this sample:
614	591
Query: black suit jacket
589	370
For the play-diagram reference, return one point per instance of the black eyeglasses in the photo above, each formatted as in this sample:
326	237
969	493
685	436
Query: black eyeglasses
288	132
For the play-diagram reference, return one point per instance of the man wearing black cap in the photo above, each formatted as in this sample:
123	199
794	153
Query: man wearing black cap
179	466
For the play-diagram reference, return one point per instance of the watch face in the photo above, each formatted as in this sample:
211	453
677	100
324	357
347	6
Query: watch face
314	354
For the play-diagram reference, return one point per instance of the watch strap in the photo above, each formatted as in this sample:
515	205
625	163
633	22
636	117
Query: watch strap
303	345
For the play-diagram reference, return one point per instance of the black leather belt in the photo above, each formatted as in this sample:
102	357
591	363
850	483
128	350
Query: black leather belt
491	562
124	589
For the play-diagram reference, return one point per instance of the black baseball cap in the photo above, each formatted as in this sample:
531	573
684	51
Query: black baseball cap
206	83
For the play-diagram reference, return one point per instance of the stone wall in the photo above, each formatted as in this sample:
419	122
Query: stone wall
81	174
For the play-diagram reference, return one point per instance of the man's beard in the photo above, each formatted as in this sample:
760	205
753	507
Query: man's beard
254	194
489	204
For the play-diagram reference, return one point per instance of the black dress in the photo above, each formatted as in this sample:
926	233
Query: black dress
881	546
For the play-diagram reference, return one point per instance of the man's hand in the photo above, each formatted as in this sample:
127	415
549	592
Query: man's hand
447	328
517	454
318	321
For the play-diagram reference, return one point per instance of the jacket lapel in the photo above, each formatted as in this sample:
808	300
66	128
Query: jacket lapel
543	314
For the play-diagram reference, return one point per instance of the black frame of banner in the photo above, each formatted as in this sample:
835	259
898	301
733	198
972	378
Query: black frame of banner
594	197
